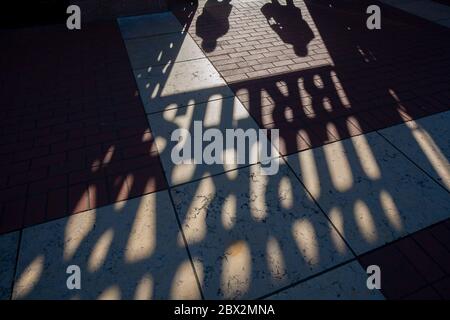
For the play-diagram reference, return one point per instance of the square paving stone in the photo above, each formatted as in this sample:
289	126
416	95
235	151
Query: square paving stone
127	250
371	192
251	234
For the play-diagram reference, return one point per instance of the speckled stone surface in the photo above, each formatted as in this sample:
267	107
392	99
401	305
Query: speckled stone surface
426	142
180	84
148	25
8	254
348	282
251	234
371	192
220	115
128	250
162	50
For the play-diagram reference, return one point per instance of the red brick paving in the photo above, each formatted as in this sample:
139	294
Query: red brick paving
343	82
415	267
71	122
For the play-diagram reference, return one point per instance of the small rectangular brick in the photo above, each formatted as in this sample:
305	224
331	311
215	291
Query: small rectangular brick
283	63
299	66
236	77
13	193
239	54
229	66
278	69
236	71
316	63
442	234
262	66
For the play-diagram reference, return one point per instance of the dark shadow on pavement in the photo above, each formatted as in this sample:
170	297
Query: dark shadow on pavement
213	23
287	22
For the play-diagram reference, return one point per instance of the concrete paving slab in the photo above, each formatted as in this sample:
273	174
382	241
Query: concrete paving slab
180	84
444	22
220	115
128	250
8	253
347	282
162	49
370	191
426	142
251	234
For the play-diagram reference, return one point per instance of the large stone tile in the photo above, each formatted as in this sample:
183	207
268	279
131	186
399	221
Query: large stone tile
128	250
371	192
347	282
8	254
148	25
180	84
218	115
250	234
426	142
161	50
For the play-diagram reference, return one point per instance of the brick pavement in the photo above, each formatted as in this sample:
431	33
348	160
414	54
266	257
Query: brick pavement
318	74
73	131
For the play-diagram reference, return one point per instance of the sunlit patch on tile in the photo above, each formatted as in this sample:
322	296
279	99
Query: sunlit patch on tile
236	269
100	251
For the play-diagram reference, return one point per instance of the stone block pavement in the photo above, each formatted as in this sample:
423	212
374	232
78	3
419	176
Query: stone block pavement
364	175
